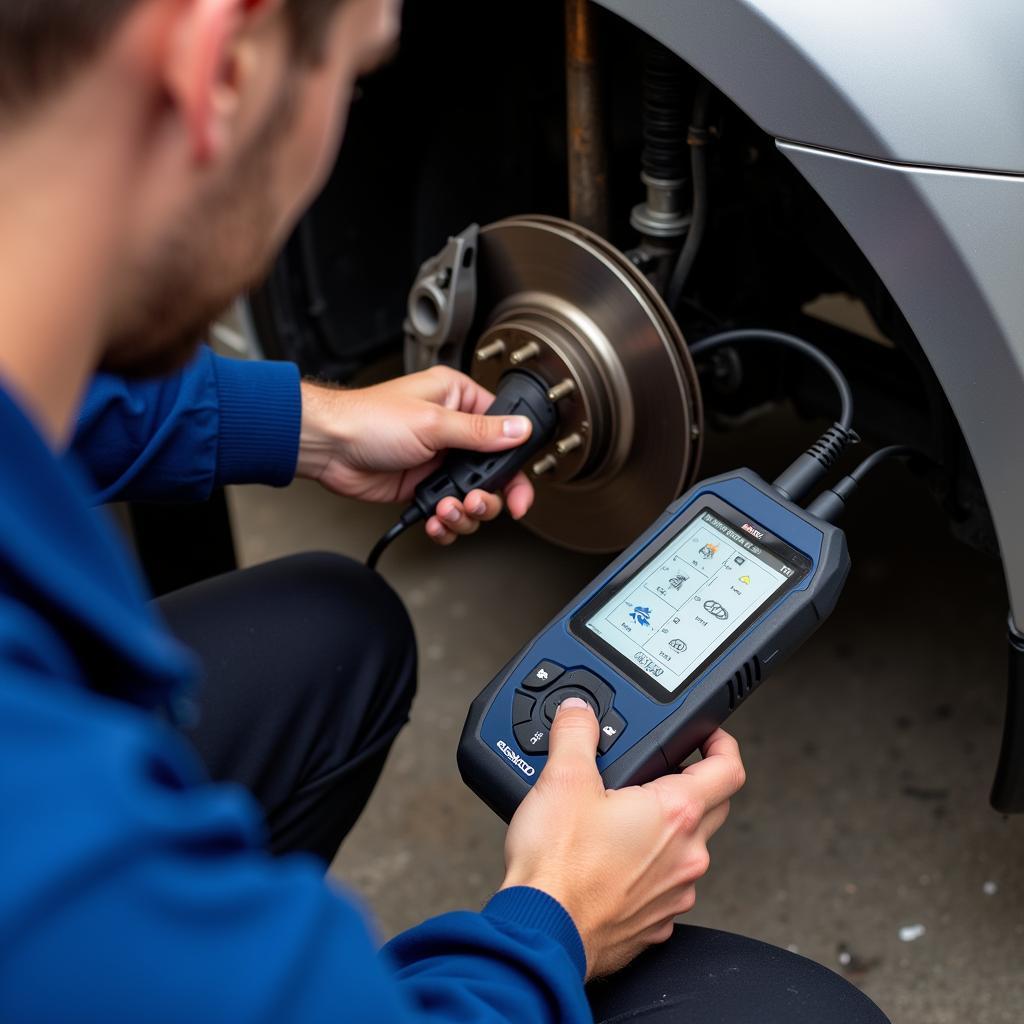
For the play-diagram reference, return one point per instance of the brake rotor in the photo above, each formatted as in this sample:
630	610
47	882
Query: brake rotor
561	302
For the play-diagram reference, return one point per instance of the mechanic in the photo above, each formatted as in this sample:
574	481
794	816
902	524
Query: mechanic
154	154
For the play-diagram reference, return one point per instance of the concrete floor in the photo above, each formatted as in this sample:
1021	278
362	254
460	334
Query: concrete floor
869	756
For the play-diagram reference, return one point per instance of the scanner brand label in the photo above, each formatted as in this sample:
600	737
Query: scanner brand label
524	766
747	528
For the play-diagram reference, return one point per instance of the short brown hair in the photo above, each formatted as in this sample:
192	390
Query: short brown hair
44	42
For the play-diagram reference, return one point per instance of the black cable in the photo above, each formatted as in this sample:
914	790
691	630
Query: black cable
831	503
789	341
892	451
383	544
411	516
797	480
697	140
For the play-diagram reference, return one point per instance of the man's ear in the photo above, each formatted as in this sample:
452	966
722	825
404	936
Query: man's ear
203	69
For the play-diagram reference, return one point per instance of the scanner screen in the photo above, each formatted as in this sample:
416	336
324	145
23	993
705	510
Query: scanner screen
691	598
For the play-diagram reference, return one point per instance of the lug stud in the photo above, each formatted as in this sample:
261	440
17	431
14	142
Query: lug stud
569	444
496	348
521	355
562	390
545	465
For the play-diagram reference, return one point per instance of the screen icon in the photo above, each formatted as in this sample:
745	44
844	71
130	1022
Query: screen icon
641	615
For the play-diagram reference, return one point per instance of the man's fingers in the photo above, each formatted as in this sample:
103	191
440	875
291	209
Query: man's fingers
450	388
519	495
720	742
483	506
453	514
439	533
453	518
574	736
714	820
448	428
705	784
720	775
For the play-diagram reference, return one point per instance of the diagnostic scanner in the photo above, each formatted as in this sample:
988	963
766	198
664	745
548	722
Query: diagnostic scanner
667	642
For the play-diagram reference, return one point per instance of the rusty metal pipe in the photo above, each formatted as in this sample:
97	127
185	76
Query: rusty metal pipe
588	156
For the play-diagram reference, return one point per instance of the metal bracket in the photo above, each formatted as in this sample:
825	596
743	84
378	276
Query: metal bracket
442	304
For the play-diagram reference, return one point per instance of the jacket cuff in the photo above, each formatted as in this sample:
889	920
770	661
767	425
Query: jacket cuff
531	908
260	419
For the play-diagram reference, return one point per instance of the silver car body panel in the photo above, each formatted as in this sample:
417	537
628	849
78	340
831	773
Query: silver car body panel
907	118
949	246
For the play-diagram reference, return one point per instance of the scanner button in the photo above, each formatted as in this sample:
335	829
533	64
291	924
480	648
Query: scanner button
543	676
551	704
612	727
522	707
595	685
532	737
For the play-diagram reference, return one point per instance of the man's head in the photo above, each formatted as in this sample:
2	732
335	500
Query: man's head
225	116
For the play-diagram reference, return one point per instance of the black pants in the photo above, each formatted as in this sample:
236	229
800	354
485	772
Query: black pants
310	673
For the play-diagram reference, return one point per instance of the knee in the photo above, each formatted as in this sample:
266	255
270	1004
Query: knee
363	620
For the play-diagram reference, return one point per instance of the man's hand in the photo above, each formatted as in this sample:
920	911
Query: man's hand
379	443
623	863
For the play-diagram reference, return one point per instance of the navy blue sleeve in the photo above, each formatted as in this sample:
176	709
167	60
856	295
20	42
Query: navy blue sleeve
135	890
219	421
521	960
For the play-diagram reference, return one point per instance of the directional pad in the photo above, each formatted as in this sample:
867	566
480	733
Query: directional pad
594	685
543	689
563	693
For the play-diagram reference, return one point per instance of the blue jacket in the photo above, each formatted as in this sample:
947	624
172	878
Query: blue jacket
131	887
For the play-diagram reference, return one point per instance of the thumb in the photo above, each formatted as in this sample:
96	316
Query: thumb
476	432
574	736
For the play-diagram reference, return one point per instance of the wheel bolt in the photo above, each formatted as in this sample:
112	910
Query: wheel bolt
496	348
528	351
569	444
545	465
562	390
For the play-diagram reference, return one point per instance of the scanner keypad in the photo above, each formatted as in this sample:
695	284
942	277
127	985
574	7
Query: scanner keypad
550	684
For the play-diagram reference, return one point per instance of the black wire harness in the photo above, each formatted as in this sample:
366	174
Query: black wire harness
831	503
799	479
